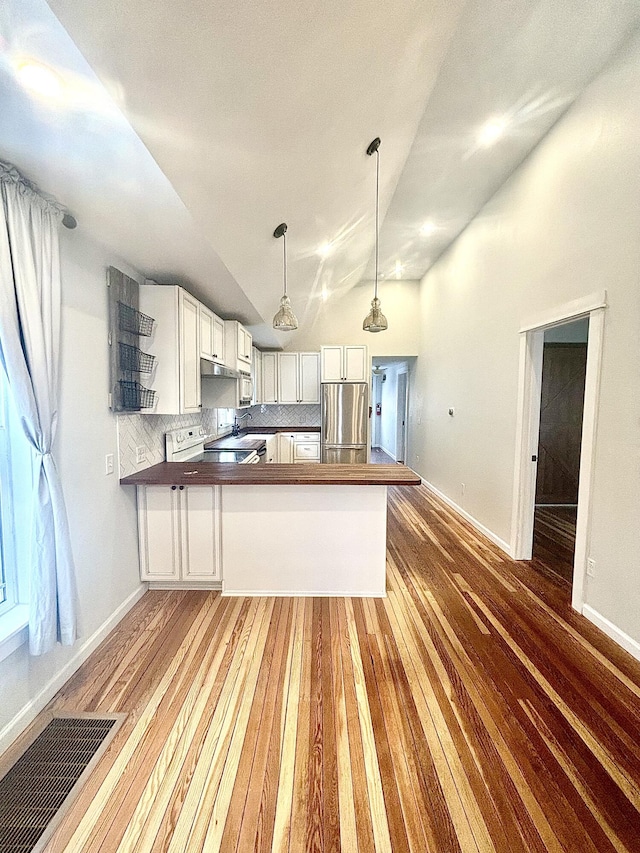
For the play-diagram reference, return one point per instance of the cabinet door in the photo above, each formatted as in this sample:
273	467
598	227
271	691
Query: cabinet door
269	377
245	342
332	364
159	533
288	377
206	332
285	447
189	354
256	375
218	340
272	449
355	364
309	377
200	525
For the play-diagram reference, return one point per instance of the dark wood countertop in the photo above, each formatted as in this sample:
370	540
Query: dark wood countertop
315	474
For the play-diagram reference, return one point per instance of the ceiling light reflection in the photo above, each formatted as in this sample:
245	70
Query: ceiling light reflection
428	228
40	80
325	250
492	131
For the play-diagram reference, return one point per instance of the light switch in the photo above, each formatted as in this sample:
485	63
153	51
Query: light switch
108	463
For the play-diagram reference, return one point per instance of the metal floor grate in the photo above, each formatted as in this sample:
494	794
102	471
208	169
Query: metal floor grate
35	787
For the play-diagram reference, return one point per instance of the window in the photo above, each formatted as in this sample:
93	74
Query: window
16	490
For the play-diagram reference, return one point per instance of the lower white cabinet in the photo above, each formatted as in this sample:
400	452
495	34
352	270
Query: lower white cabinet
298	447
285	447
179	534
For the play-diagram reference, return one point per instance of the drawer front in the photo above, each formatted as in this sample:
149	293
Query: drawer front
304	450
308	437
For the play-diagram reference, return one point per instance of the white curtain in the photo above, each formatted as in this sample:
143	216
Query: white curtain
30	297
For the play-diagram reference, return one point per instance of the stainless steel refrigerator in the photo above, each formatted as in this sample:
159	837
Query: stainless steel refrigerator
345	412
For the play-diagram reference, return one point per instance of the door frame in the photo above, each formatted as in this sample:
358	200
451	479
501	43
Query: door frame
402	416
528	429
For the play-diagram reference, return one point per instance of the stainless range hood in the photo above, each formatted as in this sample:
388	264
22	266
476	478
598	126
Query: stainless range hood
209	368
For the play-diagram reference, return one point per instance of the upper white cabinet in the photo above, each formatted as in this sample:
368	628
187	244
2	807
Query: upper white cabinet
298	377
176	345
344	364
211	336
256	375
269	377
238	342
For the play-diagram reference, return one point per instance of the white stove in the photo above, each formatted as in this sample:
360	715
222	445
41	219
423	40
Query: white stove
187	445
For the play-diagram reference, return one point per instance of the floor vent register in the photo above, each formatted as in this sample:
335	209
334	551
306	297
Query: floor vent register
38	787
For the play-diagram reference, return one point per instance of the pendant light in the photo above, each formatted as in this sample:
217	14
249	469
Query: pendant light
375	321
285	320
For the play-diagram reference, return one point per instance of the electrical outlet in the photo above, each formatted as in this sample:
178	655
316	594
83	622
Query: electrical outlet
141	454
108	463
462	488
591	567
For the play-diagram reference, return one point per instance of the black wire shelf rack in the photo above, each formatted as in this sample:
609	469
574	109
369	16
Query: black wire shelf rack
133	360
135	396
134	321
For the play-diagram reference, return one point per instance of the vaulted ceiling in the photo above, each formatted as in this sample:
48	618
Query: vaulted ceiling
204	125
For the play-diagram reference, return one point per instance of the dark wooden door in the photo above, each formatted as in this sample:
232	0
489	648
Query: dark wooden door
561	410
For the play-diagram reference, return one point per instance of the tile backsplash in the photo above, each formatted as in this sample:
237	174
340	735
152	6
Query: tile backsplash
282	416
148	431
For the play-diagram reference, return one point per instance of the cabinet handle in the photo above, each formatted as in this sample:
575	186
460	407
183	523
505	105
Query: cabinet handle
173	488
181	488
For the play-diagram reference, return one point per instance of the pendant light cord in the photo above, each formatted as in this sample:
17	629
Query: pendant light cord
375	292
284	251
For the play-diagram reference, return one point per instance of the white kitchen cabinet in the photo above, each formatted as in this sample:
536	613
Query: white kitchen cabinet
175	343
344	364
309	377
298	447
218	340
179	534
271	448
256	375
238	342
298	377
306	447
211	336
288	378
269	377
285	447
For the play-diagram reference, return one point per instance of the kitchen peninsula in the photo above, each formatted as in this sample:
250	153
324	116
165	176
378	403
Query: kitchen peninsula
305	529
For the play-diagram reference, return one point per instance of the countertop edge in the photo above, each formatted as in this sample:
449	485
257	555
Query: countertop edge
221	474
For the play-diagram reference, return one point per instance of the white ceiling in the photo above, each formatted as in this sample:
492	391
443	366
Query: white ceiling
247	114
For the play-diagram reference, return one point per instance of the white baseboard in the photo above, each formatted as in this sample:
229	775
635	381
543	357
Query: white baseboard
28	713
388	452
467	517
628	643
266	593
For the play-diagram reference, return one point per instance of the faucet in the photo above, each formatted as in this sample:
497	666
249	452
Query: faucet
235	429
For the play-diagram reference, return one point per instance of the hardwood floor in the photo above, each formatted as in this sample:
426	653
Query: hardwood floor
554	539
379	457
470	710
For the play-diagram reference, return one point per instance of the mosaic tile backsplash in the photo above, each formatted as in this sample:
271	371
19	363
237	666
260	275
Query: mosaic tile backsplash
282	416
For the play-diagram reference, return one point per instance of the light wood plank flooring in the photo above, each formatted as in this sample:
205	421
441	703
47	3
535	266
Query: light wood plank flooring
470	711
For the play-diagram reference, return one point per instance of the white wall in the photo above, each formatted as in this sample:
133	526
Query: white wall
102	514
567	224
339	320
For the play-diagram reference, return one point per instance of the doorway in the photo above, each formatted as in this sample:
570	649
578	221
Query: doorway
532	341
564	365
389	402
